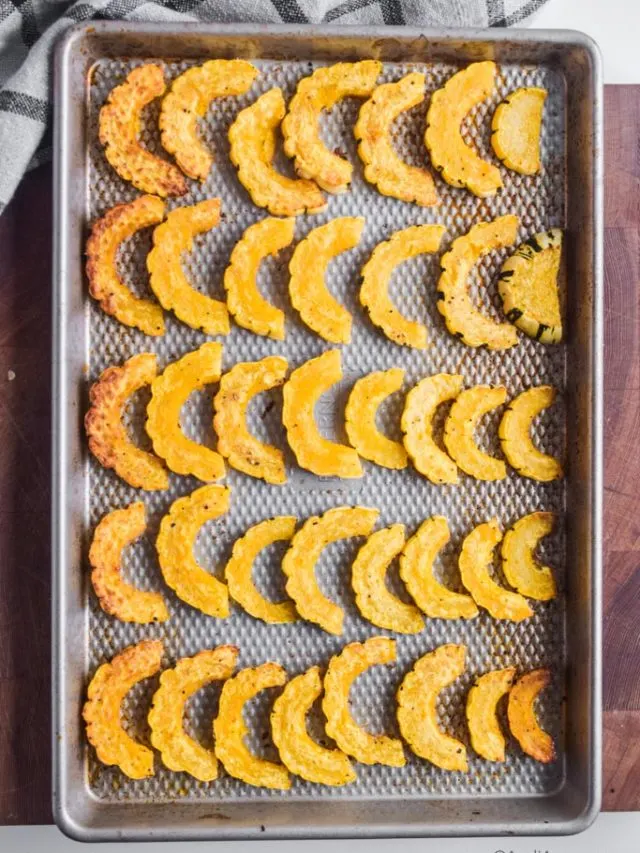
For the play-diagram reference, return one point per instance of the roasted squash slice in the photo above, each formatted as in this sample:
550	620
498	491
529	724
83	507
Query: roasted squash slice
515	435
486	736
360	418
524	725
460	426
515	130
519	565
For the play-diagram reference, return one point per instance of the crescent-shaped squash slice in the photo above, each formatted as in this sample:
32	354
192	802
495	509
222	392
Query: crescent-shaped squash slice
239	447
459	428
105	694
118	598
382	165
486	736
374	291
351	738
360	418
475	563
417	707
299	752
461	316
309	295
177	536
189	99
514	433
515	130
230	729
459	164
321	91
119	129
519	565
167	277
374	601
179	751
301	392
239	570
306	546
245	302
521	713
416	571
108	438
114	297
252	140
169	392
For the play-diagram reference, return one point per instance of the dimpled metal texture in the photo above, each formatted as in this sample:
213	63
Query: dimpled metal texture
401	496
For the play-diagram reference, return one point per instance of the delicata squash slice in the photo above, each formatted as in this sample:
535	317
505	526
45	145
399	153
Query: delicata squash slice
515	130
486	736
351	738
521	713
105	694
309	295
108	438
374	291
114	532
298	751
166	275
105	285
252	140
188	100
514	433
304	552
457	162
382	165
417	711
174	545
461	423
519	565
321	91
230	729
360	418
179	751
119	129
461	316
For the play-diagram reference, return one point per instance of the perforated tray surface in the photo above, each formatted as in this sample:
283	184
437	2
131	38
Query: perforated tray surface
401	496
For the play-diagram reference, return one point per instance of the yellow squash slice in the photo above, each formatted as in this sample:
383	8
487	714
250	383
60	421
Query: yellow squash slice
360	418
521	713
105	694
528	287
178	531
108	438
382	165
309	295
456	161
374	601
486	736
306	546
475	563
179	751
417	707
416	571
463	419
321	91
252	139
245	302
515	435
120	126
417	426
118	224
299	752
189	99
301	392
519	565
374	291
454	300
515	130
169	392
239	569
230	729
237	389
114	532
351	738
166	275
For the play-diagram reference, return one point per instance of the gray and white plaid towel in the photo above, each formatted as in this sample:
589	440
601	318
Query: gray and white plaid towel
29	29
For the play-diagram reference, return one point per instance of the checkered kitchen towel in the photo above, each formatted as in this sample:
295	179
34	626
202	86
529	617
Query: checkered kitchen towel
29	28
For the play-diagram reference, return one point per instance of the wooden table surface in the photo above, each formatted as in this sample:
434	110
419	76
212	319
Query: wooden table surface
25	490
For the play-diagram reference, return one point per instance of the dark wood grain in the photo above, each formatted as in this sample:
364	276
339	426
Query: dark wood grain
25	311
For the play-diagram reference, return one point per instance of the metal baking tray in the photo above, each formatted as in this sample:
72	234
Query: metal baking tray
94	803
